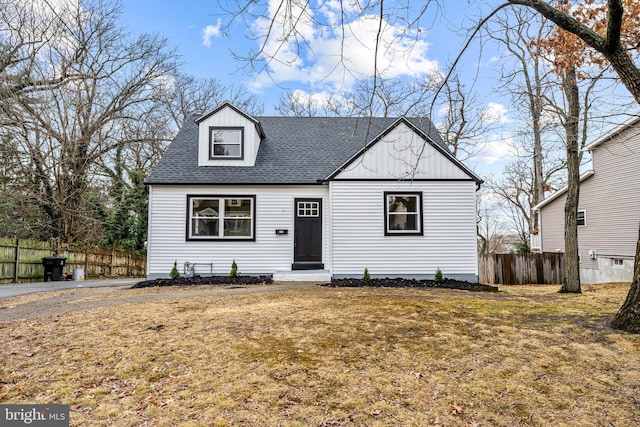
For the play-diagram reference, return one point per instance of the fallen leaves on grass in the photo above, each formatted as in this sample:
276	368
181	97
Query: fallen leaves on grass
456	409
333	357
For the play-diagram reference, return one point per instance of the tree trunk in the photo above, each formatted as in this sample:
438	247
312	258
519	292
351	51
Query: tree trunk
571	267
628	317
538	179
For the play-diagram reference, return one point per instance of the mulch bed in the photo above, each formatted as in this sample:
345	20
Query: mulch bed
411	283
209	280
347	283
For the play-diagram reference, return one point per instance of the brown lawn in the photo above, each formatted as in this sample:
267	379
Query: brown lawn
526	356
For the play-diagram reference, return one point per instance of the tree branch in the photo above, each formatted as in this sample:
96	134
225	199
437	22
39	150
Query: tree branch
567	22
614	25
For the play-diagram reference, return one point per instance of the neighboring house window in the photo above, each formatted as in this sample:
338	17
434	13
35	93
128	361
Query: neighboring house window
403	213
226	143
221	217
582	218
617	262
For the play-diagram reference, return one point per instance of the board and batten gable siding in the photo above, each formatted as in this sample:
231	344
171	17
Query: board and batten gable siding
268	253
449	230
228	117
394	157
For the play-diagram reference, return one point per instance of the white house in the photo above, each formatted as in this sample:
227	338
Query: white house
608	209
323	196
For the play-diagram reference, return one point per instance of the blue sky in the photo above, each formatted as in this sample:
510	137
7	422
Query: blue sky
195	29
184	24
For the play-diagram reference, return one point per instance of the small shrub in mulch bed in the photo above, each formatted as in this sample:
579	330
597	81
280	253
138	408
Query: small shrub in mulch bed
411	283
207	280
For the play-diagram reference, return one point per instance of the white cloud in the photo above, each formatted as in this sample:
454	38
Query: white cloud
498	148
333	57
318	101
495	113
209	32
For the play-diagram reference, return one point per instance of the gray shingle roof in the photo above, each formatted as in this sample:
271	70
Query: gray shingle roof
295	150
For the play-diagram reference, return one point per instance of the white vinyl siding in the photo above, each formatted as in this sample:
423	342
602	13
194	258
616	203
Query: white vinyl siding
449	228
611	216
552	225
274	207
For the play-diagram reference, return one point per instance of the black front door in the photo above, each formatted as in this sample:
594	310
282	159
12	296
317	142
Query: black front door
307	253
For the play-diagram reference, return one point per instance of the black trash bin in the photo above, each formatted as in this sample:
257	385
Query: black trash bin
53	268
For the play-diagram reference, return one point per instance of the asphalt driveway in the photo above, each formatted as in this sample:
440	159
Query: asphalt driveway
16	289
95	294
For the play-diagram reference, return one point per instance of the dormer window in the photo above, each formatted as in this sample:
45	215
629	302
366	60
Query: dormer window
226	143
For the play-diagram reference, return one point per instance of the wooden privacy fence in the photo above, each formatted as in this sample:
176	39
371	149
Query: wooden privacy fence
514	269
21	261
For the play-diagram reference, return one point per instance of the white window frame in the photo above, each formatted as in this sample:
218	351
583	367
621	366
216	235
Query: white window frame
239	143
308	209
614	263
225	219
584	218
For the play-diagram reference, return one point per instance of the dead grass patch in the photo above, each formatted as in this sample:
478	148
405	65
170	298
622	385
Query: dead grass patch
333	357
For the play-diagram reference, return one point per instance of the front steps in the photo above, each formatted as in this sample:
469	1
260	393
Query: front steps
320	276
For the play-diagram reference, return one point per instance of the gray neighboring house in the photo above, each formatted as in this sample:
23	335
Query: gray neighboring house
608	210
311	198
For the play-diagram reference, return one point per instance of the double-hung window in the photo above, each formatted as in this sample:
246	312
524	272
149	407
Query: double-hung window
403	213
226	143
221	217
581	219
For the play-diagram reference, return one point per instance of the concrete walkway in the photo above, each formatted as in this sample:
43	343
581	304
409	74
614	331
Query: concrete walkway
16	289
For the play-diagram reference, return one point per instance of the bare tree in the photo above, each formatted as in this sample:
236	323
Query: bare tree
26	28
514	188
529	85
298	104
184	95
465	123
392	97
571	283
490	226
62	131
